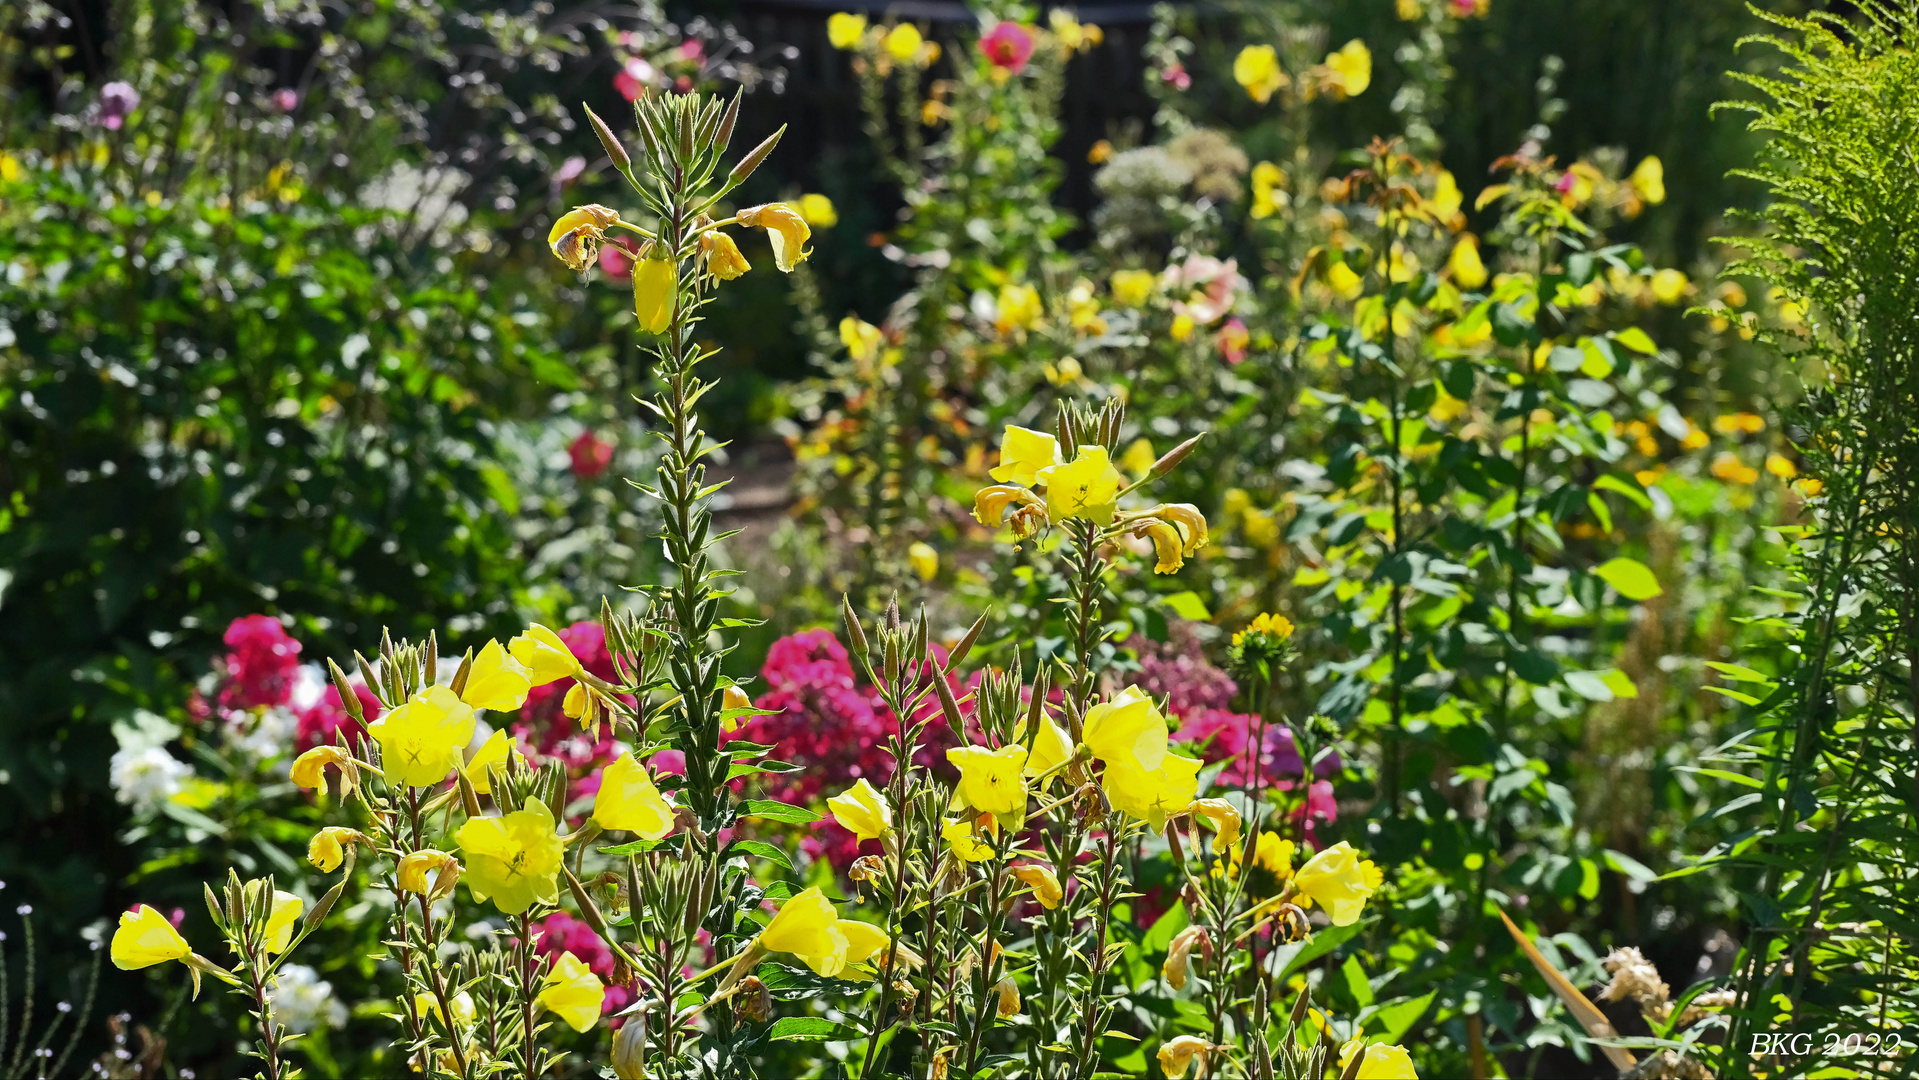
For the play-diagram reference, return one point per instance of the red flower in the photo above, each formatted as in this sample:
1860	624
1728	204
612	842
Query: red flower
1008	45
261	659
319	724
590	455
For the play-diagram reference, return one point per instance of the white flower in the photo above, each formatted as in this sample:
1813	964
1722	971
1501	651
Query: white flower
263	737
309	686
303	1001
146	777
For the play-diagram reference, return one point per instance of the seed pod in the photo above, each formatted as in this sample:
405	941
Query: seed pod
917	651
949	704
686	129
469	798
754	158
213	908
614	150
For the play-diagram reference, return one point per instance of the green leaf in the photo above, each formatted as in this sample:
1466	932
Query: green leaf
1737	672
1356	983
1724	774
1590	685
776	811
1630	490
1635	339
1398	1018
1620	683
807	1029
1743	699
759	849
1629	866
1188	605
1633	579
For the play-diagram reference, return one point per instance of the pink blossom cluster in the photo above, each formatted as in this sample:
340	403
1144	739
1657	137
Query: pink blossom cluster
562	933
261	667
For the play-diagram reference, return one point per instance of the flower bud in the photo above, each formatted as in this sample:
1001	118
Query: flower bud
1008	997
614	150
753	158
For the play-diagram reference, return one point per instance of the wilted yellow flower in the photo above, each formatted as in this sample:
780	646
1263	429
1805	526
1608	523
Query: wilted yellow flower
282	917
1167	555
993	503
1179	955
723	258
145	938
862	811
1345	284
861	338
1177	1054
1340	881
1225	820
1383	1061
785	229
572	992
1152	794
1349	71
1044	883
924	560
845	30
1257	69
1465	266
430	873
1023	452
1019	308
903	42
423	740
309	769
1086	487
959	836
1132	288
496	681
327	849
629	800
545	655
1781	466
1649	179
1269	194
1128	729
656	285
1008	993
1669	286
513	859
991	781
577	236
817	210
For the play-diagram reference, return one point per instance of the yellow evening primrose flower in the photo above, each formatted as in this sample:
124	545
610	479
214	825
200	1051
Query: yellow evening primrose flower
546	657
309	769
1052	747
145	938
496	681
1176	1055
1339	880
572	992
1152	795
959	836
1167	555
1132	288
1669	286
1086	487
807	927
1019	308
1468	271
577	236
862	811
903	42
1139	459
817	210
1043	881
1269	194
785	229
656	285
514	859
1649	179
723	258
1023	452
1345	284
845	29
862	339
628	800
991	782
430	873
327	849
924	560
992	504
463	1011
422	740
1349	71
282	918
1256	68
1128	730
1225	820
1383	1061
491	755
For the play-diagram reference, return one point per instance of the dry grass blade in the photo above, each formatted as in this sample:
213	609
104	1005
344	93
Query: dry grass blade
1583	1010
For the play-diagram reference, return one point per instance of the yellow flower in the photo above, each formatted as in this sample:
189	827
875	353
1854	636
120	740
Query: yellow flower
1267	625
1167	556
1138	460
430	873
421	741
1383	1061
1349	71
1019	309
1810	486
817	210
862	811
1051	747
959	836
656	285
1695	438
903	42
807	926
496	681
785	229
1465	266
572	992
845	30
1340	881
1446	199
628	800
1087	487
1132	288
924	560
582	704
145	938
1127	730
282	917
1225	819
991	782
1270	854
546	657
1257	69
862	339
1729	468
577	236
1179	955
1176	1055
327	849
992	503
723	258
1182	327
1345	284
1152	795
426	1004
514	859
309	769
1669	286
1023	452
1269	194
9	167
491	754
1649	179
733	698
1008	993
1044	883
1781	466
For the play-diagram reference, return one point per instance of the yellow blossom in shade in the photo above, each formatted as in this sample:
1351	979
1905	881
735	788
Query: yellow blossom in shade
545	655
513	859
145	938
924	560
817	210
1139	459
1383	1061
1129	729
1256	68
862	339
1781	466
1269	193
491	755
1649	179
282	918
1086	487
1694	438
1018	308
423	740
1023	452
577	236
1176	1055
1043	881
1050	749
1345	284
572	992
1349	71
1669	286
723	258
327	849
1100	152
430	873
785	229
1132	288
629	800
1225	820
844	30
496	681
959	836
991	781
1809	486
1729	468
903	42
309	769
427	1004
862	811
1339	880
1152	795
1465	266
656	284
